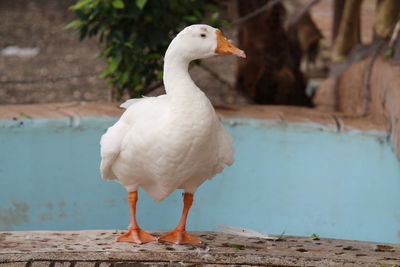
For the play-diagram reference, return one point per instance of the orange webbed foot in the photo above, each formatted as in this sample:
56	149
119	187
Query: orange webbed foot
179	237
137	236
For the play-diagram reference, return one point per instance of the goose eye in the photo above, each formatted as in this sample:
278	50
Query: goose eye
202	35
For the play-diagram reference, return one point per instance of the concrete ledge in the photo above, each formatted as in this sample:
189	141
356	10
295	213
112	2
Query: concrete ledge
59	110
98	248
279	114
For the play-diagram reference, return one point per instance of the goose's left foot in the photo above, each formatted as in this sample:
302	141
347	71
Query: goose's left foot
179	237
137	236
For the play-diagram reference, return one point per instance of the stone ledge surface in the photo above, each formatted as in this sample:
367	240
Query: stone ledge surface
98	248
277	114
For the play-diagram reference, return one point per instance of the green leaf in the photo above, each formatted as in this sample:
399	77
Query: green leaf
148	19
136	79
73	24
80	4
125	77
105	73
106	52
211	7
22	114
160	75
190	18
314	237
138	88
141	3
153	56
118	4
114	64
214	16
127	44
197	13
81	15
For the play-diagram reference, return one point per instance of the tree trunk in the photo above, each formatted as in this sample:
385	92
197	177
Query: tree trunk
271	72
388	12
338	6
349	30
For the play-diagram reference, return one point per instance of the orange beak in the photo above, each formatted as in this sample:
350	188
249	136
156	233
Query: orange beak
224	47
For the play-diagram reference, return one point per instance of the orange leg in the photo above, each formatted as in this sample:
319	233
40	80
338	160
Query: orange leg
179	235
135	234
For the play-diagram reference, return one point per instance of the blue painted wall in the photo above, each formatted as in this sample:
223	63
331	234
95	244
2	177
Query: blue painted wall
287	178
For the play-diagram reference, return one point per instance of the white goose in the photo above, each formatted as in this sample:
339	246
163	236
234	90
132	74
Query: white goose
173	141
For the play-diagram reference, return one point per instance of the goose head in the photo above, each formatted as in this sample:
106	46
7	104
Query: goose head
202	41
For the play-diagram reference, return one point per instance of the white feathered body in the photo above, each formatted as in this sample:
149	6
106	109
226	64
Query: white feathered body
165	143
171	141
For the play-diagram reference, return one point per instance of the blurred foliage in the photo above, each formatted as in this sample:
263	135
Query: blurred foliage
134	35
314	237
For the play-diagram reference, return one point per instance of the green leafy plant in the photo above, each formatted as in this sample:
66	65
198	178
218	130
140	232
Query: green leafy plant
134	35
314	237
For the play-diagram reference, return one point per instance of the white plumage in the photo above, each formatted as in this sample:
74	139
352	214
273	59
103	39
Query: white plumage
174	140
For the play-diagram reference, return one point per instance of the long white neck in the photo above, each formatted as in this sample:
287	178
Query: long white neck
177	80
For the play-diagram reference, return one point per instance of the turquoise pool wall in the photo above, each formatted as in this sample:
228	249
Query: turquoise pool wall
298	179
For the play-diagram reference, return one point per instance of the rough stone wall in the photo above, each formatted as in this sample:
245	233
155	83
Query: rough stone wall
66	69
368	88
63	70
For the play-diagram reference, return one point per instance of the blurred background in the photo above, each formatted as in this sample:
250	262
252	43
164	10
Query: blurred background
292	46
